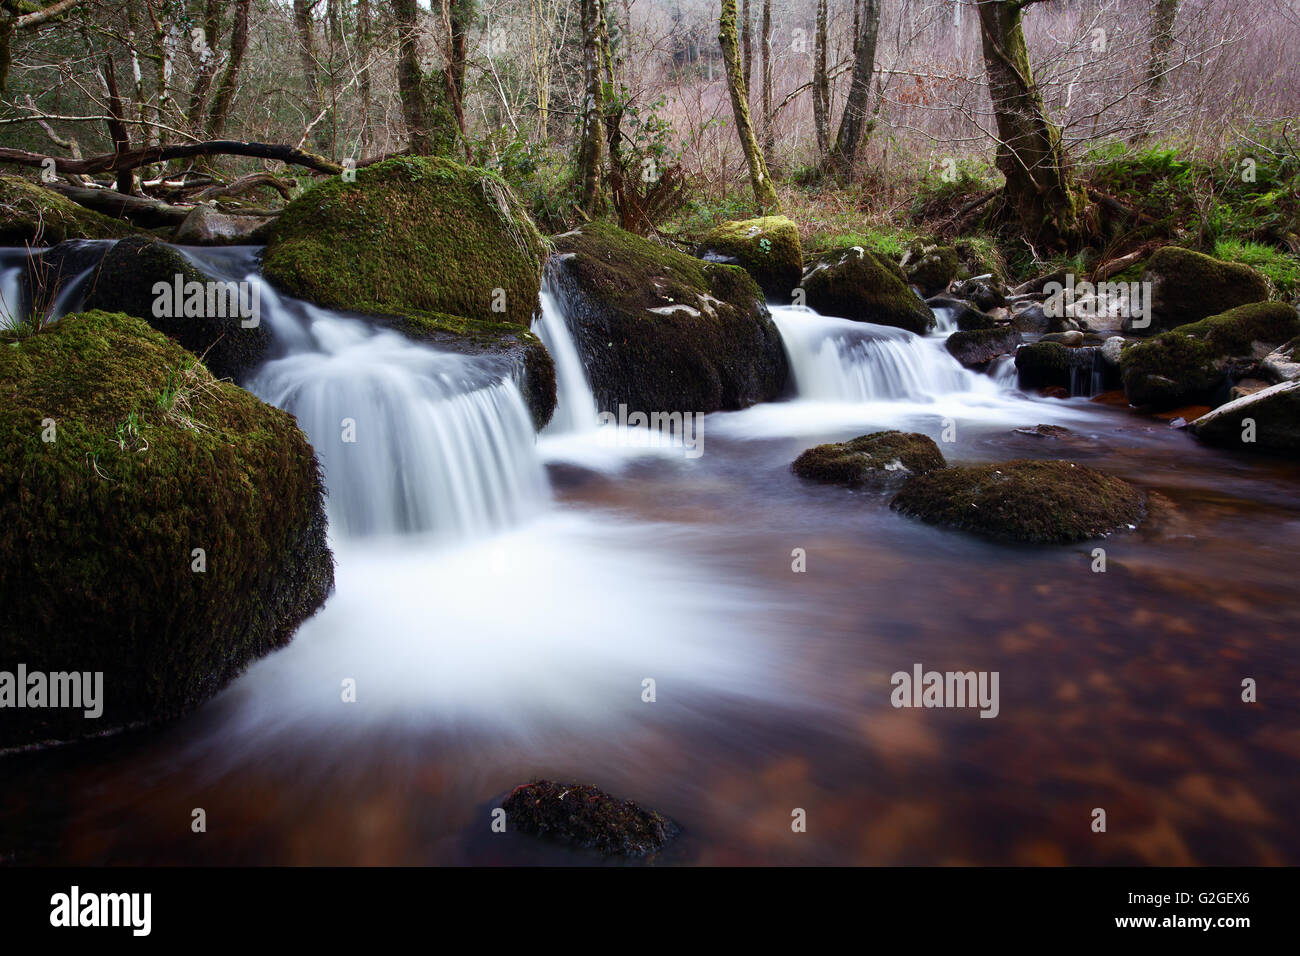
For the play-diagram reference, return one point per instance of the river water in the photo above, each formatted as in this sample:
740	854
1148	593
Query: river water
502	600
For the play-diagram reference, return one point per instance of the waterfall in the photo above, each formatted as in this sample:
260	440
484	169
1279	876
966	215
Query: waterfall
575	409
839	360
945	320
28	282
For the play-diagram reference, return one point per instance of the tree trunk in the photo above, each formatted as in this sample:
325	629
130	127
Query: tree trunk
591	148
764	193
410	85
364	49
206	68
747	44
1163	15
821	87
853	122
1039	192
230	77
302	26
765	51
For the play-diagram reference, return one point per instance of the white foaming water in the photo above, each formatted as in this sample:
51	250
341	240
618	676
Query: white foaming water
945	320
575	409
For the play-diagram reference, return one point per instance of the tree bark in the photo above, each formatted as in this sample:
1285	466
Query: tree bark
1040	192
230	76
1163	15
853	122
764	193
591	148
821	87
747	44
765	52
207	66
410	85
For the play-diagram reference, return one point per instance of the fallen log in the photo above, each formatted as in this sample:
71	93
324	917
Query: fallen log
149	155
147	213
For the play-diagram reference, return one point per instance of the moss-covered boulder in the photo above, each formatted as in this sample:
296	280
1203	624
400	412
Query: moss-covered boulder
230	338
879	459
437	249
35	216
864	286
1034	502
931	267
662	331
767	248
1267	420
1188	286
977	348
587	818
156	525
1192	363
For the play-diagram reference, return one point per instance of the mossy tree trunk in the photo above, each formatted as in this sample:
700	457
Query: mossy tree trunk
821	86
853	122
1163	15
1040	191
220	110
764	193
769	113
747	43
410	78
591	147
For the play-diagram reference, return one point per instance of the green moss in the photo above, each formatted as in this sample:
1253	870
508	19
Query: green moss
1188	286
124	282
151	458
1038	502
865	287
588	818
1189	363
767	248
663	331
36	216
877	459
931	267
411	235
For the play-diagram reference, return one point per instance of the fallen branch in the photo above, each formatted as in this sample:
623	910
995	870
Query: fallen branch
139	210
147	156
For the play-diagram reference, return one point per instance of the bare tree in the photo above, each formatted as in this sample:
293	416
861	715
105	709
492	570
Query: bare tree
853	122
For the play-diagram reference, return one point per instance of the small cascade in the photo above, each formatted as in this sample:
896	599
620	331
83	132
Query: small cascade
1002	370
56	285
945	320
1087	377
575	409
839	360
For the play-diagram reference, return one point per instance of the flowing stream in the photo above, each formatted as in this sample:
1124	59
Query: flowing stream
503	598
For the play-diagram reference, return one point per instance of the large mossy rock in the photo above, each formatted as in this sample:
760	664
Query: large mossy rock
878	459
931	267
35	216
584	817
1188	286
863	286
1265	421
767	248
441	251
660	331
1191	364
125	279
1033	502
120	455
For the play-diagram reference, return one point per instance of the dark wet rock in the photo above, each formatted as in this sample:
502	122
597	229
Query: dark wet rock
124	281
1053	365
1035	502
660	331
585	817
152	458
930	267
1195	363
878	459
767	248
1188	286
1283	363
862	286
964	314
207	226
1032	319
984	290
976	349
1072	339
1267	420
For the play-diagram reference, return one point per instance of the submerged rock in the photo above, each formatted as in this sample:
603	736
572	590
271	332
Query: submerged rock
442	252
36	216
1188	286
1035	502
767	248
1192	364
878	459
660	331
156	525
865	287
124	281
977	348
588	818
1267	420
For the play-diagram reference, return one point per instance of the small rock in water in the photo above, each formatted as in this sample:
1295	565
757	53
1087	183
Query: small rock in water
877	459
585	817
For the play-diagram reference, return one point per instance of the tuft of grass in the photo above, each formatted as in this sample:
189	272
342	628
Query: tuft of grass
1282	269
